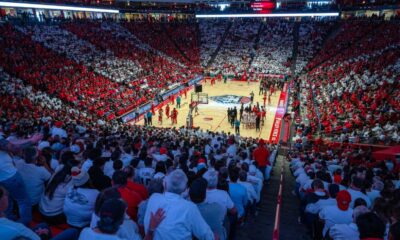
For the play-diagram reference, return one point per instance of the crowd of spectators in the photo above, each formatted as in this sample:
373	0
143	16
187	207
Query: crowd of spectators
344	193
211	33
59	76
311	36
353	95
160	72
233	58
81	51
116	181
275	48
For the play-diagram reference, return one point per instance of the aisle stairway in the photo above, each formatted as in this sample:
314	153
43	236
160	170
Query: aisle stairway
256	42
215	53
262	225
290	228
295	47
174	42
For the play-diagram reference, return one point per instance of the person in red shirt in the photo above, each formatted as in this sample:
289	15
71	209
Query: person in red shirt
167	110
132	198
133	186
261	156
153	111
160	116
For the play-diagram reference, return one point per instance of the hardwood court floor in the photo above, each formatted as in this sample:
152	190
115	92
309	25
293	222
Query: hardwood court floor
213	116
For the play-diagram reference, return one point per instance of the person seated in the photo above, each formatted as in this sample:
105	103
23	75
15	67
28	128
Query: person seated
80	199
213	213
182	217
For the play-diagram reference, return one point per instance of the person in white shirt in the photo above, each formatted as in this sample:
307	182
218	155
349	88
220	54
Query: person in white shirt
93	154
251	193
34	176
375	191
215	195
11	179
315	208
57	130
52	201
161	156
146	174
212	213
348	231
127	157
339	214
182	218
80	199
10	229
355	191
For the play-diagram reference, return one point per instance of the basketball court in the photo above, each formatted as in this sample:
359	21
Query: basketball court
213	115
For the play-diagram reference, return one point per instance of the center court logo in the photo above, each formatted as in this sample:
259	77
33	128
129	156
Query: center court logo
230	99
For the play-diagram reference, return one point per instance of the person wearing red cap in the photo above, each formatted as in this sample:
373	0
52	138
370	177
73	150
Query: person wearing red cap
261	156
57	130
162	155
339	214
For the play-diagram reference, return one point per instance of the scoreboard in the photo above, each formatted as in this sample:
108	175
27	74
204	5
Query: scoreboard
263	6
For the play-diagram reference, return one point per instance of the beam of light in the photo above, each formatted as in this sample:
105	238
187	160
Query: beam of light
56	7
255	15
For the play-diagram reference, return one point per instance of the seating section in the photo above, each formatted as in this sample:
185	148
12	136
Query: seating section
81	51
155	35
24	105
160	73
186	36
55	74
311	36
353	94
234	56
275	48
211	33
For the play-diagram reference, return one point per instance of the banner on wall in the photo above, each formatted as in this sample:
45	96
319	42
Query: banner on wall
279	114
147	106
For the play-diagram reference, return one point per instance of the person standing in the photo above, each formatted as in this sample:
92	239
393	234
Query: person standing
258	121
261	156
237	126
137	115
160	116
251	97
167	111
265	98
149	118
241	112
178	102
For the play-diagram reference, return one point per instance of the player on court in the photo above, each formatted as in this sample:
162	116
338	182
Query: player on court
160	116
167	111
174	116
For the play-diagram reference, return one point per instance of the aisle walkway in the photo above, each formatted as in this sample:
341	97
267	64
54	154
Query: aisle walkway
291	229
260	227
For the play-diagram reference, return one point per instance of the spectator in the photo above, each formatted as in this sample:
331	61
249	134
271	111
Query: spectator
11	179
182	218
370	226
34	176
52	201
80	200
133	199
339	214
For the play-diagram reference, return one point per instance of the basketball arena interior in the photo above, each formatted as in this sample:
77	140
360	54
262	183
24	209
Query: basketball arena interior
200	119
